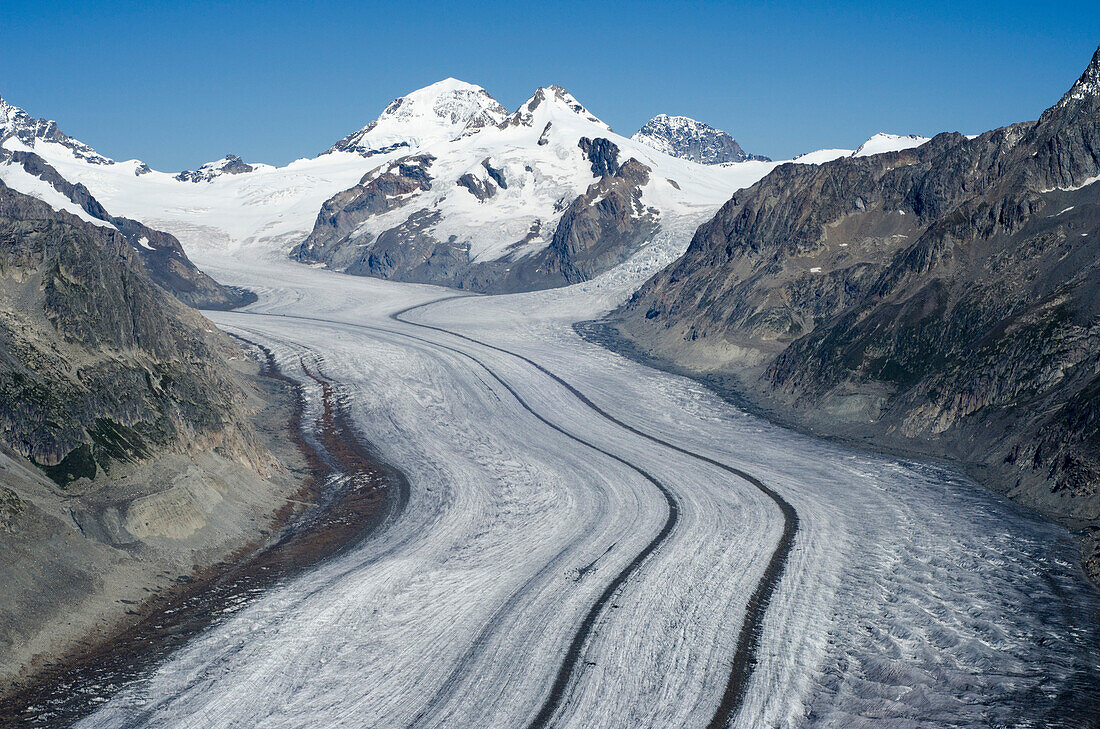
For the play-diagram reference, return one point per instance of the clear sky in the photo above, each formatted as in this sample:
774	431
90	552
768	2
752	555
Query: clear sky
180	83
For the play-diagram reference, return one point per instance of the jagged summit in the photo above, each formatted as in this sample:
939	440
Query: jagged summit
18	129
439	112
548	103
1084	92
1089	83
687	138
557	95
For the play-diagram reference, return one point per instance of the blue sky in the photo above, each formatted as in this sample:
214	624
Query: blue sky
177	83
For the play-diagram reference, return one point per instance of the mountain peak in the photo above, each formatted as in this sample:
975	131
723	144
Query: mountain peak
548	102
1086	87
230	164
19	125
690	139
440	111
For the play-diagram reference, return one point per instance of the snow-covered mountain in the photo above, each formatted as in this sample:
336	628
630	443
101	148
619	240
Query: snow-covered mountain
20	128
877	144
439	112
548	195
444	186
686	138
272	207
157	254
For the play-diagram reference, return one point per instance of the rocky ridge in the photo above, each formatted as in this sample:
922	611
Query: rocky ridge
230	164
19	125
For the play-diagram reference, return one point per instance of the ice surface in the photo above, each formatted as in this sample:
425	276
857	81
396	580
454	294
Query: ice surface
912	597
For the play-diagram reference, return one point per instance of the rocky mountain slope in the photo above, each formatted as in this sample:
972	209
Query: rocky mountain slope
686	138
230	164
129	452
219	206
100	366
159	255
941	299
545	196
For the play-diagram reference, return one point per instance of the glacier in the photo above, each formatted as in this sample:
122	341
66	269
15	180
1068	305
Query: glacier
912	597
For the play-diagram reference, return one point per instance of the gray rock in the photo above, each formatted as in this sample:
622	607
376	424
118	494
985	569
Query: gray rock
683	137
602	153
98	365
481	189
497	175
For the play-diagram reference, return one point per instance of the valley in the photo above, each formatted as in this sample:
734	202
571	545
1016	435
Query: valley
459	423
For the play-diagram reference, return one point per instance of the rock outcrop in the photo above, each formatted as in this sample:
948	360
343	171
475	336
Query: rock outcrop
686	138
99	366
230	164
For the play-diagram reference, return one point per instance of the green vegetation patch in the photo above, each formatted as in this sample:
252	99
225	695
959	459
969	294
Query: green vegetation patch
115	441
79	463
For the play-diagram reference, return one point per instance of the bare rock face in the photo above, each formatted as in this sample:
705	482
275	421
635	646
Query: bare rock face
942	299
98	365
683	137
602	153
